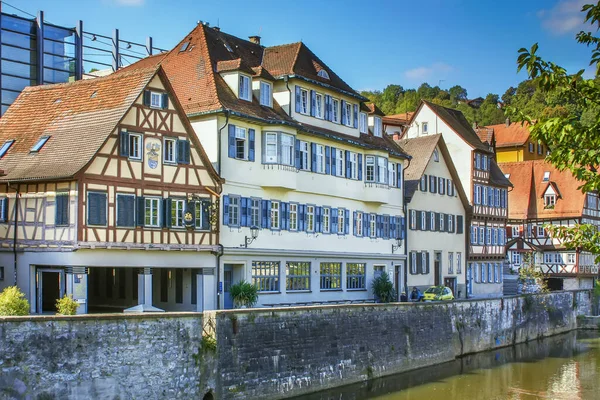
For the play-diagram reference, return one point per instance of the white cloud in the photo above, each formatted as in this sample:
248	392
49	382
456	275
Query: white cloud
129	3
564	17
425	72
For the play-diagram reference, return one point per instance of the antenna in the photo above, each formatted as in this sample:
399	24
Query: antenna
440	82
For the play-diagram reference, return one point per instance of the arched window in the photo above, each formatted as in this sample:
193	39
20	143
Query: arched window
323	74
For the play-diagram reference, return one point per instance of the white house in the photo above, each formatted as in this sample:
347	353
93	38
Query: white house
438	210
312	202
485	187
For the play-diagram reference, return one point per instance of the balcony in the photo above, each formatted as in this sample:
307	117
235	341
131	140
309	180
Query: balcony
377	193
278	176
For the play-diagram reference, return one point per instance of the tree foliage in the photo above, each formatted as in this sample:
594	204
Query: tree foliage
570	126
13	302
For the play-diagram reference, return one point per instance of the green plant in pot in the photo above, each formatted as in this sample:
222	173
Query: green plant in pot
244	294
383	288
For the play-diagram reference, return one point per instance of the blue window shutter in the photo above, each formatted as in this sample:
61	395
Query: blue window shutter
343	113
393	234
231	142
313	102
141	211
327	159
333	220
327	107
300	216
402	226
5	209
124	144
313	157
225	210
205	204
348	168
376	169
251	144
268	213
167	204
244	211
399	175
318	219
297	152
264	214
165	101
183	151
298	98
283	216
61	217
146	99
355	108
354	223
366	224
360	167
378	225
333	159
346	221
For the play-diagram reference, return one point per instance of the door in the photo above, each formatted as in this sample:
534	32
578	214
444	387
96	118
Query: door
50	287
399	281
451	283
437	267
469	280
227	280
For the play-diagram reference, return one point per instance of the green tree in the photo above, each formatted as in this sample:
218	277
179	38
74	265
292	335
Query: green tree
457	93
574	141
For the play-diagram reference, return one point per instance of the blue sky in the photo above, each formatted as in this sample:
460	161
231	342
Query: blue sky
370	44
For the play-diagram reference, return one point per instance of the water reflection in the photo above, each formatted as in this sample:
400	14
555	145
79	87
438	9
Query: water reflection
560	367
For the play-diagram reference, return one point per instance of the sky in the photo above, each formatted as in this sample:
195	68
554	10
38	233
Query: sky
370	44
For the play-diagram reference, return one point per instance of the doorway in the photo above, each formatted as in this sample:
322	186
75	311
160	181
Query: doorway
400	279
227	281
50	287
451	283
437	268
469	281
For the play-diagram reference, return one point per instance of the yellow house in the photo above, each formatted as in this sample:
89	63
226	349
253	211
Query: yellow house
513	142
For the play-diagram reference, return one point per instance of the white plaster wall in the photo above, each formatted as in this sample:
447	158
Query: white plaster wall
207	131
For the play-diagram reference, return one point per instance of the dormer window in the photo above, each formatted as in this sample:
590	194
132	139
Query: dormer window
362	121
323	74
40	143
531	147
5	147
549	200
436	155
244	88
377	126
266	98
424	128
546	176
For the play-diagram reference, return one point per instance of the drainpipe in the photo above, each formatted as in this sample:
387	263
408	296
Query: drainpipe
15	233
220	252
406	219
219	140
218	255
286	79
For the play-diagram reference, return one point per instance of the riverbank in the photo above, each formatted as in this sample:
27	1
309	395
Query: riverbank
263	353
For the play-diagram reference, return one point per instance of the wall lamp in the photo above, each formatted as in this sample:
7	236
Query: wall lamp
397	245
252	238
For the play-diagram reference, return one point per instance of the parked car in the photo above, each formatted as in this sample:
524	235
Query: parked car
437	293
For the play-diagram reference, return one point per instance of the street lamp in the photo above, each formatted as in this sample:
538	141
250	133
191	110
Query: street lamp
397	245
253	236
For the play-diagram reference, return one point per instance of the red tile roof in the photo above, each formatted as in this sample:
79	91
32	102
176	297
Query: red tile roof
398	119
515	134
526	200
486	135
78	117
373	109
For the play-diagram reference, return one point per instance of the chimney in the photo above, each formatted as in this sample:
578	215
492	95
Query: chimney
507	122
254	39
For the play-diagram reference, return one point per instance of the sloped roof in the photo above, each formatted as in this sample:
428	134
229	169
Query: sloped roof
526	200
398	119
78	117
515	134
457	122
373	109
485	134
497	177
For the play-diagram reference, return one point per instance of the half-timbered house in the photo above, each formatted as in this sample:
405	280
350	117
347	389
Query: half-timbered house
312	200
486	189
546	196
108	196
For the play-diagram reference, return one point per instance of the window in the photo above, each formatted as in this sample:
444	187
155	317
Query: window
254	212
170	150
549	200
481	235
432	221
484	163
353	165
303	101
355	275
326	219
423	221
234	211
320	150
348	115
3	209
39	144
331	276
392	174
323	74
370	168
274	215
413	219
571	258
310	218
450	262
458	263
61	216
177	211
297	276
436	155
442	222
155	100
287	149
135	146
373	225
424	265
378	270
546	176
531	147
152	211
496	273
488	237
450	223
358	224
265	275
377	128
362	120
319	106
385	222
201	214
515	231
540	149
423	183
516	258
96	208
244	89
441	186
271	147
483	273
339	161
1	274
540	231
336	110
5	147
340	221
293	216
547	258
478	161
425	128
413	262
240	143
265	94
382	164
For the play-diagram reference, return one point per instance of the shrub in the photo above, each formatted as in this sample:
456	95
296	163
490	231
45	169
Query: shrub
244	294
13	302
66	306
383	288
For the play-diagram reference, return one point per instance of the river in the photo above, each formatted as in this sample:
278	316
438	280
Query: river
559	367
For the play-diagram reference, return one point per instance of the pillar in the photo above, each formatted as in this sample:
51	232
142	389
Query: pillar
77	287
144	293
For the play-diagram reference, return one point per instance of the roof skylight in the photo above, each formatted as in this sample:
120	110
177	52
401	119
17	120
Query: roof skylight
184	47
546	176
5	147
40	143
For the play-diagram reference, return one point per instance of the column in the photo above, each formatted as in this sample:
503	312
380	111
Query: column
144	293
77	287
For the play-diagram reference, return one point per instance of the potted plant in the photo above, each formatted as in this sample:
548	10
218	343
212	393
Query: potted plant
383	288
244	294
